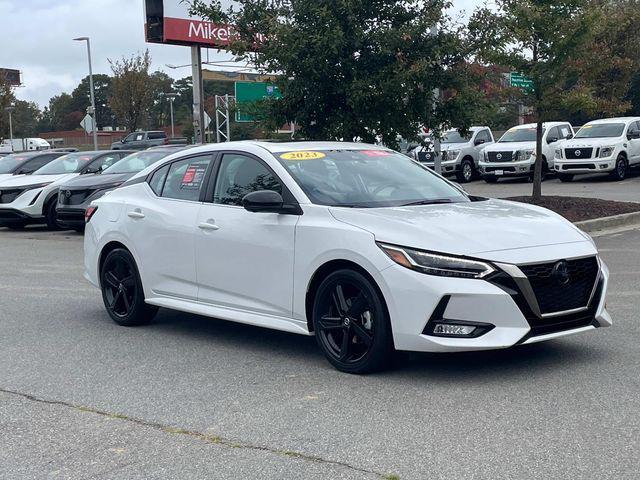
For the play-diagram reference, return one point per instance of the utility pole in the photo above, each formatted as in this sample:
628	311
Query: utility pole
10	109
92	112
198	102
171	96
437	151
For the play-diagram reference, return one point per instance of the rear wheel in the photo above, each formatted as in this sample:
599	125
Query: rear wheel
51	216
122	290
620	172
465	175
565	177
351	323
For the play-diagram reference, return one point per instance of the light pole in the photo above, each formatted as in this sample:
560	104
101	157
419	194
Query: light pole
93	98
10	109
171	96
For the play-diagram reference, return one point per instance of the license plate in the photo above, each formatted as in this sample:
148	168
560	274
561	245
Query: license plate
499	172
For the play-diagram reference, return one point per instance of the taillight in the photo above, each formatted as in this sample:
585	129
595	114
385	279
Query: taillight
89	213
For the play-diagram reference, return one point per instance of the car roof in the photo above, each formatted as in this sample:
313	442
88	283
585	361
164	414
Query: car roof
279	147
615	120
544	125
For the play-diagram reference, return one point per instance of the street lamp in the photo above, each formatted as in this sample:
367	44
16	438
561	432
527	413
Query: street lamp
93	99
171	96
10	109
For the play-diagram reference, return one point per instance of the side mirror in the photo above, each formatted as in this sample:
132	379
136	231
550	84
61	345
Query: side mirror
569	136
479	141
552	139
263	201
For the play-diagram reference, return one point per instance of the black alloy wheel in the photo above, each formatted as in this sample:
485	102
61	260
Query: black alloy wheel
122	291
620	172
466	173
351	323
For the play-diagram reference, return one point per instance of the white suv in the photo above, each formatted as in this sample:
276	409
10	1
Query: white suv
514	155
602	146
460	154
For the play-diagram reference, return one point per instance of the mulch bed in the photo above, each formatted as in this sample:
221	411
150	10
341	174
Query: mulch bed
577	209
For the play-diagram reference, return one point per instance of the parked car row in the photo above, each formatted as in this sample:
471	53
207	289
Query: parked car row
609	146
54	188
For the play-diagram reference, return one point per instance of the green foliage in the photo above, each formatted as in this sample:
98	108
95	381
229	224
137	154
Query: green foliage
7	98
354	68
131	97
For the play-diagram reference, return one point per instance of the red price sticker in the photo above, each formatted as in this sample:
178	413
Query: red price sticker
376	153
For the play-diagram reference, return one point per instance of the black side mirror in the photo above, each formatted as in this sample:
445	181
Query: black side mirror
265	201
479	141
569	136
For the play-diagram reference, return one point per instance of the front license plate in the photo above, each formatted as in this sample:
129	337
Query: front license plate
499	172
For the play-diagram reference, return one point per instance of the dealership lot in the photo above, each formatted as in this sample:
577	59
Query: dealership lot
192	397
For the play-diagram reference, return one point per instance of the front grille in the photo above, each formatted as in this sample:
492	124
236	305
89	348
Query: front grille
552	293
579	166
499	156
426	157
73	197
504	169
577	153
9	195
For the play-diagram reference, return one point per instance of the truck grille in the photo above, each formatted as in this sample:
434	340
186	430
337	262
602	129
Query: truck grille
9	195
563	285
499	156
577	153
426	157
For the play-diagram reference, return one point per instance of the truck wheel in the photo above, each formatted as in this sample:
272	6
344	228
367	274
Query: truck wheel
620	172
465	175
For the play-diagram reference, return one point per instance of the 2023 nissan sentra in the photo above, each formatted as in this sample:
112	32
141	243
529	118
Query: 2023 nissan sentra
359	245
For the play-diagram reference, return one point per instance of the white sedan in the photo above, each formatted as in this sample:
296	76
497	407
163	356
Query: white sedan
360	246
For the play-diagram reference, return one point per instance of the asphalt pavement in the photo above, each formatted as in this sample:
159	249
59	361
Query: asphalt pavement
592	186
189	397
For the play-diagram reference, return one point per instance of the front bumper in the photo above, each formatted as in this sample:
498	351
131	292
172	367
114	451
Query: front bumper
448	168
419	302
590	165
506	169
12	216
71	217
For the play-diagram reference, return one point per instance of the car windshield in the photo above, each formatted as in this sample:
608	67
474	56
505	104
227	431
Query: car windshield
601	130
455	137
137	162
366	178
10	163
520	135
72	163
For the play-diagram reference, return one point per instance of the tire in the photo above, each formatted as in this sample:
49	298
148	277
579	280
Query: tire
351	323
490	179
122	291
467	171
620	171
51	215
565	177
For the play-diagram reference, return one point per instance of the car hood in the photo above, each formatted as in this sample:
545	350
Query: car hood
8	176
591	142
96	180
26	180
510	146
445	147
470	228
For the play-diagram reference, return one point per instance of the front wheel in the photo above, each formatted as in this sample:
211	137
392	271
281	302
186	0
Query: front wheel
122	290
620	172
51	216
465	175
351	323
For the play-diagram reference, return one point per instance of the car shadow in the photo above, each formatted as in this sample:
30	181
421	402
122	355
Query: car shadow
492	365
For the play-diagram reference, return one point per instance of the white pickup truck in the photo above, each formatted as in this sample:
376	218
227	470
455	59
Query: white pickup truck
514	155
460	154
602	146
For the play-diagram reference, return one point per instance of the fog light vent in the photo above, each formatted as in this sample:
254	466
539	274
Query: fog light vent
454	330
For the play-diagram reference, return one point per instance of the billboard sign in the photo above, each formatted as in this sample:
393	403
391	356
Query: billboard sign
12	76
251	92
169	22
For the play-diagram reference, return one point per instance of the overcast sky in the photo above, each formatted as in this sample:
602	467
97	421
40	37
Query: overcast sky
36	38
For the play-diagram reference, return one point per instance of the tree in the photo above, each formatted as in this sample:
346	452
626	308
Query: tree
7	98
60	115
25	119
161	83
81	98
353	68
546	40
131	97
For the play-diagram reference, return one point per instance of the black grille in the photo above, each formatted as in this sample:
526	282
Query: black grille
577	153
499	156
578	166
9	195
426	157
553	294
73	197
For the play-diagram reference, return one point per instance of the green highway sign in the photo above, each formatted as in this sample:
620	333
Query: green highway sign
520	81
250	92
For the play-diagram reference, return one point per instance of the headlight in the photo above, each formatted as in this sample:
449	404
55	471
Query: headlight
524	155
451	155
558	153
606	151
33	187
436	263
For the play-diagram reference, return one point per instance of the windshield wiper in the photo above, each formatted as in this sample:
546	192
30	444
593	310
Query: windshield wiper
434	201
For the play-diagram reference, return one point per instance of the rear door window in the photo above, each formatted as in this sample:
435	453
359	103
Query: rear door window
185	179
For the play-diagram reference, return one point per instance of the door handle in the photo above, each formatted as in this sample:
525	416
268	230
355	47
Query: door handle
137	213
208	225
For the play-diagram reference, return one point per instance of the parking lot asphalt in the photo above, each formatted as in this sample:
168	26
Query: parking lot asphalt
189	397
592	186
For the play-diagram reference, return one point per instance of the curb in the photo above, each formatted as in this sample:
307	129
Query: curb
604	223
